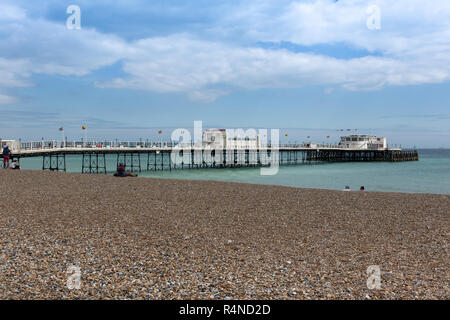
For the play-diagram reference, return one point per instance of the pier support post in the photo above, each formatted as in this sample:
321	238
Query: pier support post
54	162
131	160
93	162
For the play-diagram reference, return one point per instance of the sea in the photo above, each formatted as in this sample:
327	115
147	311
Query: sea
429	175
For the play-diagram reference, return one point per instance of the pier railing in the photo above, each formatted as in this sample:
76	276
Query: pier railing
54	144
110	144
45	145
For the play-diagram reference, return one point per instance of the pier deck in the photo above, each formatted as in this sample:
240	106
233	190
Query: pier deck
160	157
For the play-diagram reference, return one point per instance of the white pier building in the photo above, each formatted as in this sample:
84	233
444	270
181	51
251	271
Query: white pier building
363	142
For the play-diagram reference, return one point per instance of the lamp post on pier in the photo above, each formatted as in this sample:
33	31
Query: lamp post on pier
62	139
85	135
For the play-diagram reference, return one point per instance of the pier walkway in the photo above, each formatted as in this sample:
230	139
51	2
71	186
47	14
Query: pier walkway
158	156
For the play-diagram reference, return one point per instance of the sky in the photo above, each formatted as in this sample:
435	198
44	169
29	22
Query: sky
308	68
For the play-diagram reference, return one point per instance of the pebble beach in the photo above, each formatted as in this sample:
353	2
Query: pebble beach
146	238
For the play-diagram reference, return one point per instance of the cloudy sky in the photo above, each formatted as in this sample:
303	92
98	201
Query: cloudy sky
306	67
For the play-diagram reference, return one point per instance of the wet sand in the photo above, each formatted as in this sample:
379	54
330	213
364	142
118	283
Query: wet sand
138	238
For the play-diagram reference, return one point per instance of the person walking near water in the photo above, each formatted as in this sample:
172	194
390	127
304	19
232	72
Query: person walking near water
6	155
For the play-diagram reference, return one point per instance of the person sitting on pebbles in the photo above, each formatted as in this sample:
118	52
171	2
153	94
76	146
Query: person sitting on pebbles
15	165
122	173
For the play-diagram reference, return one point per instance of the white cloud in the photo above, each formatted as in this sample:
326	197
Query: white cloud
407	25
11	13
182	64
206	95
50	48
4	99
14	73
414	43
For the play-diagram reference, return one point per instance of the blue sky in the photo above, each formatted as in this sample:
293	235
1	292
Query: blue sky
306	67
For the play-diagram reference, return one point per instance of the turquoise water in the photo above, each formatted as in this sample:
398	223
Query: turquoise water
429	175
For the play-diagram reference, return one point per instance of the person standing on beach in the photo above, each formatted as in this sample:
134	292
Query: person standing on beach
6	155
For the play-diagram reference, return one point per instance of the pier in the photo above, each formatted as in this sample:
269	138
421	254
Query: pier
140	156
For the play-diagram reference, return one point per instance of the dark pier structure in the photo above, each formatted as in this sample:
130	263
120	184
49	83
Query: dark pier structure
325	155
93	160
